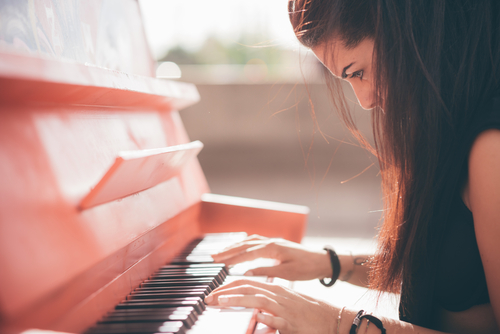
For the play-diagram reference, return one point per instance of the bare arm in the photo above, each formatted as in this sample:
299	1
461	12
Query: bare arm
354	269
295	262
291	312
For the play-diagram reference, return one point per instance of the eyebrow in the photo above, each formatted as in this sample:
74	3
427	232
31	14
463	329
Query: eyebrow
344	75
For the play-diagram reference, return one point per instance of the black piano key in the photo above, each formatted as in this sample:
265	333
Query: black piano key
195	266
196	303
172	294
154	312
192	271
178	310
186	319
222	274
203	280
166	299
220	277
201	287
206	251
159	300
165	289
180	283
193	260
184	276
213	271
205	288
162	286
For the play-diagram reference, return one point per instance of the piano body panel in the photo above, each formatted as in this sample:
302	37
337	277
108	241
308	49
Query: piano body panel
54	148
226	214
80	302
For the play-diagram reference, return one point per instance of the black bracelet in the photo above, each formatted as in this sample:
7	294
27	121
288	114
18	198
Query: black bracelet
376	321
356	322
334	259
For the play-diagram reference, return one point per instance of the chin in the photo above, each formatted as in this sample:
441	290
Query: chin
368	107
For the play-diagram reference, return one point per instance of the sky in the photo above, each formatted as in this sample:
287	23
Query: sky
188	23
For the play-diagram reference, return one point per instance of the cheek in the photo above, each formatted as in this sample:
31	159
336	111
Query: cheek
364	93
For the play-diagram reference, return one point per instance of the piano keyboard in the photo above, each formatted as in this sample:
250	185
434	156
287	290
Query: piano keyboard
171	300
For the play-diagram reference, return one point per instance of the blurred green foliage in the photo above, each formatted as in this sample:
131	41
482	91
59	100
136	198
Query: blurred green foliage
215	51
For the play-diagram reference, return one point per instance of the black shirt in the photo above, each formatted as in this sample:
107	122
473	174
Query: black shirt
454	280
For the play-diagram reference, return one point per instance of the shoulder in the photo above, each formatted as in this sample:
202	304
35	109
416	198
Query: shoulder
484	164
484	170
484	202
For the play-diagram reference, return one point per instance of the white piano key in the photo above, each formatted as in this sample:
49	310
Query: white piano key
218	320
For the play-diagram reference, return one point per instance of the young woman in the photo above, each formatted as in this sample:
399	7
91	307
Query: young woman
430	71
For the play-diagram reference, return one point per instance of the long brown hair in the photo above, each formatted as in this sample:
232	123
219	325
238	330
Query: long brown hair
435	62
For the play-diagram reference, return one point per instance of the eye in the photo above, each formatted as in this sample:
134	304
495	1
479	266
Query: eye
357	74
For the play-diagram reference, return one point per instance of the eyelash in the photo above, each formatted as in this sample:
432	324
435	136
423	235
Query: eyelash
357	74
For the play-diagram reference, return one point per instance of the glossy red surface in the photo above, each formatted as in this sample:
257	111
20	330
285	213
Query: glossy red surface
64	121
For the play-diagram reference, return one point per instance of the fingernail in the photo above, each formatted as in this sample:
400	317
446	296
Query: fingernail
260	317
223	300
208	299
248	273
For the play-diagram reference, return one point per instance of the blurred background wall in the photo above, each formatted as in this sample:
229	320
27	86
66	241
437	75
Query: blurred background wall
255	117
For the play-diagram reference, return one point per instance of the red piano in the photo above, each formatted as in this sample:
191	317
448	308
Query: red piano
104	209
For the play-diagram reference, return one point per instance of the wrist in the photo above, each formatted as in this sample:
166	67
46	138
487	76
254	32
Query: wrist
324	265
335	265
346	267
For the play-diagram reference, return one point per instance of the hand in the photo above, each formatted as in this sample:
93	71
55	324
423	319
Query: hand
295	262
287	311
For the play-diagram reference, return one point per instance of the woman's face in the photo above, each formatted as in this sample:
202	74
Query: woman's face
353	65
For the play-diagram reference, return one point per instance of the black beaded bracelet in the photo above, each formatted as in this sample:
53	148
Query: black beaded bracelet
356	322
334	259
376	321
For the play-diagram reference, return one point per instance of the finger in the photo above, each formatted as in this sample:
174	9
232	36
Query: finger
277	323
274	271
287	270
229	253
258	301
249	254
212	299
267	286
255	237
304	296
279	292
250	241
234	250
273	288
